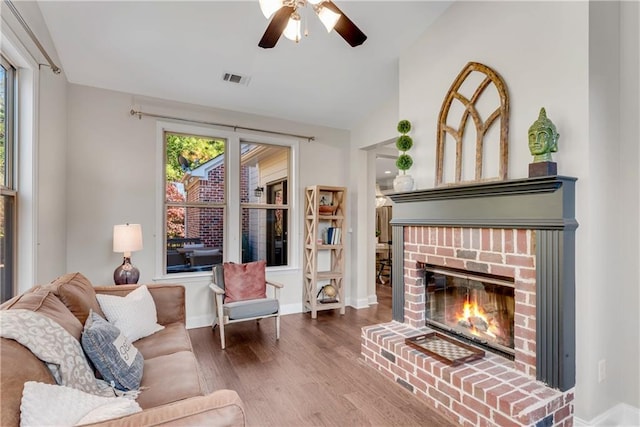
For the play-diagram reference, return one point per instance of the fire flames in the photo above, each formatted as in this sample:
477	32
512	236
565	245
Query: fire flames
474	318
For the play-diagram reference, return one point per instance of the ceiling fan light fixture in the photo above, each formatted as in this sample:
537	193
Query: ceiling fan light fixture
292	30
269	7
328	17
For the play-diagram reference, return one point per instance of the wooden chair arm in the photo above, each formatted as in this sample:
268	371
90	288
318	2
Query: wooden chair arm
216	289
275	284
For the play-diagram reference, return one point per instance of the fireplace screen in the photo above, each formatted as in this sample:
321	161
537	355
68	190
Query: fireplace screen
475	306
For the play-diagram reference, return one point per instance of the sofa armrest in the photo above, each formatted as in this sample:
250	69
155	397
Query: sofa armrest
220	408
169	299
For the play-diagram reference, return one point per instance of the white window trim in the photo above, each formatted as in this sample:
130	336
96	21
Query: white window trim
28	76
232	241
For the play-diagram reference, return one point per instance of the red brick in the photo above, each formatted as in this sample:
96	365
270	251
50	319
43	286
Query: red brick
417	383
439	396
525	286
452	392
522	246
503	421
466	238
509	241
525	309
457	237
454	263
448	252
441	237
470	382
467	413
448	236
491	257
519	260
435	260
501	270
506	402
458	376
529	417
480	388
496	240
486	239
524	333
494	393
562	413
426	377
475	238
526	274
477	405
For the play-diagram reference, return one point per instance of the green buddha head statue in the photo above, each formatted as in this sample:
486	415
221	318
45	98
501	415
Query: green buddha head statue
543	138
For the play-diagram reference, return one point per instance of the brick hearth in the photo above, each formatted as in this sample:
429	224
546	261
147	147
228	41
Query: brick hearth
494	390
487	392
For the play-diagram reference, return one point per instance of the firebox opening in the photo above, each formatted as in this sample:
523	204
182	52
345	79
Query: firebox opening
476	307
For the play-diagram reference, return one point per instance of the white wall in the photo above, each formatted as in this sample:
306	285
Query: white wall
111	178
611	331
42	150
562	56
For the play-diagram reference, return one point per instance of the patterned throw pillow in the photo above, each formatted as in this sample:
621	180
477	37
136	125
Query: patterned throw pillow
112	353
244	281
134	314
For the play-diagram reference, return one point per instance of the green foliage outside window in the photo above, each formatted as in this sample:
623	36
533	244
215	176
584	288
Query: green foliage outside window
196	150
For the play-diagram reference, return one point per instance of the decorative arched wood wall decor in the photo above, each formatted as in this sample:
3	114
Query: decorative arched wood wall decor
502	113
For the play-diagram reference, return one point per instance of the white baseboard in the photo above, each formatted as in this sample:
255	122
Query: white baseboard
199	321
621	415
359	303
373	299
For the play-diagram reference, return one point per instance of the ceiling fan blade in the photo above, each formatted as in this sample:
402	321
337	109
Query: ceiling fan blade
276	27
345	27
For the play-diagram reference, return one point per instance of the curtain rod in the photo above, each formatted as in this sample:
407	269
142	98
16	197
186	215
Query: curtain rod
234	127
54	67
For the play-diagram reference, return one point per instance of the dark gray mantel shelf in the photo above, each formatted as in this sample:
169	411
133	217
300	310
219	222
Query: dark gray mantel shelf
490	188
532	203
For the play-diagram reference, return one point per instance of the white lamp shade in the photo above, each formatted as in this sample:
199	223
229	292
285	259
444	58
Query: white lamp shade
292	30
269	7
127	238
328	17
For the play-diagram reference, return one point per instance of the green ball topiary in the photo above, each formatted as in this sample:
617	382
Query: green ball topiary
404	143
404	126
404	162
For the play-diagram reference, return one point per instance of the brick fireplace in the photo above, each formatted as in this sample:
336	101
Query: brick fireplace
520	229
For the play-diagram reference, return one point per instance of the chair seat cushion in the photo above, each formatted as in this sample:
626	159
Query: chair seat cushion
251	308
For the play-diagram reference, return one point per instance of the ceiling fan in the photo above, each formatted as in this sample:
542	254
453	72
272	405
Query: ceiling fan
285	20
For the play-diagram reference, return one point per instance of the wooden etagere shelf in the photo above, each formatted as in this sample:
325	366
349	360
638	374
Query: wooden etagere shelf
324	234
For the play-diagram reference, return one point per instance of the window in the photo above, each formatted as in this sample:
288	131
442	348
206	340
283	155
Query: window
199	213
7	179
264	173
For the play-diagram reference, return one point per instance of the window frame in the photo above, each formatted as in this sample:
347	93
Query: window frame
8	185
232	232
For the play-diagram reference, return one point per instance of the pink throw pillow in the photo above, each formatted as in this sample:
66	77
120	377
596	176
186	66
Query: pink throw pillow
244	281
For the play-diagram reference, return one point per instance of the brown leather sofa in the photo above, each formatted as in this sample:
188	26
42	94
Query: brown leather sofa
173	392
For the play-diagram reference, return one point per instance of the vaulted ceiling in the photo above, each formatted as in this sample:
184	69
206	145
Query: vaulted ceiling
179	50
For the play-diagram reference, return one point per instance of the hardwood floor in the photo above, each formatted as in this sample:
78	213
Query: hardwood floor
313	375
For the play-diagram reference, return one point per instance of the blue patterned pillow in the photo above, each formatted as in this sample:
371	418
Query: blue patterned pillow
116	359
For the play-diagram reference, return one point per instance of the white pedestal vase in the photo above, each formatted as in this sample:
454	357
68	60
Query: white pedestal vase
403	183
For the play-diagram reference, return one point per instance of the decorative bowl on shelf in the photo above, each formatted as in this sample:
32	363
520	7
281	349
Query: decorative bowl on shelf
327	209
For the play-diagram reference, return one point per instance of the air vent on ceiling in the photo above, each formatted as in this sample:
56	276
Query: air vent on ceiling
236	78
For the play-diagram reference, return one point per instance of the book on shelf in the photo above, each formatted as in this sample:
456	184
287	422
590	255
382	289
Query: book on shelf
333	235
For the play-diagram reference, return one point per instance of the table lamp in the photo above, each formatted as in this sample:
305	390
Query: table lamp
127	238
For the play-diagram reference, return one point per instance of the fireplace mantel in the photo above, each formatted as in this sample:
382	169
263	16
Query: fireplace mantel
545	205
531	203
